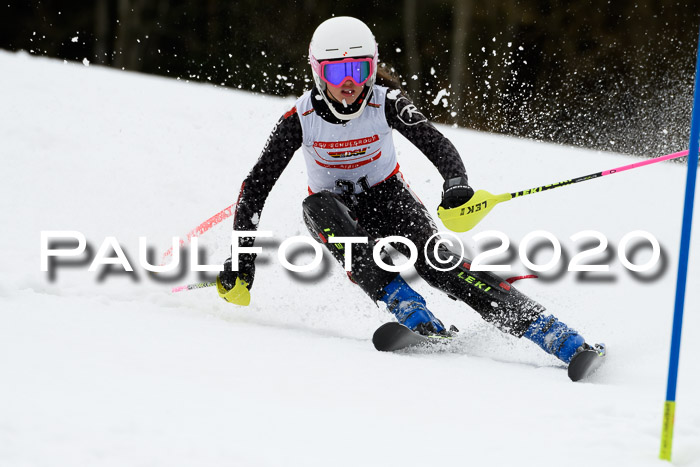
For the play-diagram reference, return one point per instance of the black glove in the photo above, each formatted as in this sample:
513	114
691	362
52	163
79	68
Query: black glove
246	271
455	192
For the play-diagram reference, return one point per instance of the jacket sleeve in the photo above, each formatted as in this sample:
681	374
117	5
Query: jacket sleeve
404	117
285	139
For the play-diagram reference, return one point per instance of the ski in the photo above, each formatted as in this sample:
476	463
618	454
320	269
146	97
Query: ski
586	361
394	336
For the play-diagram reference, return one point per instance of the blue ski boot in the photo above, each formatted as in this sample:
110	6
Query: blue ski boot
409	308
555	337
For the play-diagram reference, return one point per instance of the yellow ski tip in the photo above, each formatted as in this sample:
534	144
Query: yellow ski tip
238	295
468	215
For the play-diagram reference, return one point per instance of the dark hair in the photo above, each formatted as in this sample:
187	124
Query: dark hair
386	77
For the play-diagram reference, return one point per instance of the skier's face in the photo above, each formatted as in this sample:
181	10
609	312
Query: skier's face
348	92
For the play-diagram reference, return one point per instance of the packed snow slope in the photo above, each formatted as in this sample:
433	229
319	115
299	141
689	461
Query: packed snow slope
111	369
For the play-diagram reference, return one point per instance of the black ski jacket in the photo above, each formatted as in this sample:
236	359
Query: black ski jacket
286	138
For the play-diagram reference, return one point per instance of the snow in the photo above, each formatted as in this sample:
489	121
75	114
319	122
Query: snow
441	93
113	369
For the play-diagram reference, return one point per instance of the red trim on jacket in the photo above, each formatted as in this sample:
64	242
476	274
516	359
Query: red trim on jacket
238	201
396	170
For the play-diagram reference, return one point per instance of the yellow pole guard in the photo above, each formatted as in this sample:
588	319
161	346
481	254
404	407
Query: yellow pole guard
238	295
667	430
466	216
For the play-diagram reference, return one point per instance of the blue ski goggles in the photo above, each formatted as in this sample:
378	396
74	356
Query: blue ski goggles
335	73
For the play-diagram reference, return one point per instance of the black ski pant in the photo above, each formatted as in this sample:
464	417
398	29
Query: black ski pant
389	209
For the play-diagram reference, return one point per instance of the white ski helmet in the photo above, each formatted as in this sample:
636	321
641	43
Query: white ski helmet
337	39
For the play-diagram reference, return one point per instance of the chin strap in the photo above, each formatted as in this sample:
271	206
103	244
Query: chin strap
366	95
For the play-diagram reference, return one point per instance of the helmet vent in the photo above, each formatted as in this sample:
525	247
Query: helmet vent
356	47
330	50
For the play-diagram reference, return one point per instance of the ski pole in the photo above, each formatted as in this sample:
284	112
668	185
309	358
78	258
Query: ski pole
468	215
198	285
238	295
202	228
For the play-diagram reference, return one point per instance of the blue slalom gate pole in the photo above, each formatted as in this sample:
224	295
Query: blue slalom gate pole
670	404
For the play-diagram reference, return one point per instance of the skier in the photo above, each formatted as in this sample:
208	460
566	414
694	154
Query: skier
344	127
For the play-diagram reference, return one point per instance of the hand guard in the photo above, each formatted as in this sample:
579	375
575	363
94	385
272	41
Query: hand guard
234	286
456	192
